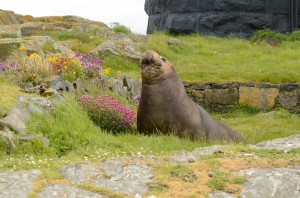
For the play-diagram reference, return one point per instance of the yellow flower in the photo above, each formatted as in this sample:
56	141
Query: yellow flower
109	68
74	72
106	71
65	63
70	57
66	67
119	72
22	48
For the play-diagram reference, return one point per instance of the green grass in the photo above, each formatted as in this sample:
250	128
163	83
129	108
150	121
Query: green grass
79	41
257	127
208	58
117	27
126	66
220	179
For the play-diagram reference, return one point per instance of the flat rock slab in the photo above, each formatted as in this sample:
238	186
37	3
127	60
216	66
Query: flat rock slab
185	157
288	143
279	182
268	183
220	194
63	191
17	184
121	175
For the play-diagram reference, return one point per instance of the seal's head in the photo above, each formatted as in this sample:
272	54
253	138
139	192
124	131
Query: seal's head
154	68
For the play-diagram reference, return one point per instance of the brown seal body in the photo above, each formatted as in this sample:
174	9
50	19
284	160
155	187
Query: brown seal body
165	106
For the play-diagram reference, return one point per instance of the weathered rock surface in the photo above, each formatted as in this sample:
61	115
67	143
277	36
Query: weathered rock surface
15	121
219	17
266	96
17	184
185	157
61	191
280	182
119	175
118	45
267	183
288	143
9	17
26	28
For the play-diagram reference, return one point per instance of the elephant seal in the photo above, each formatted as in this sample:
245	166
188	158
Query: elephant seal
165	106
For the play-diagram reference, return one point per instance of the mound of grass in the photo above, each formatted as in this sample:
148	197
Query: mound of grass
117	27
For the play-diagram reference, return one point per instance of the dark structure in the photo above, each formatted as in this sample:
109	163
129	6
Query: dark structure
222	17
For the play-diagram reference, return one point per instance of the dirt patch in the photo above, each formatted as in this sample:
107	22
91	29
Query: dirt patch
204	171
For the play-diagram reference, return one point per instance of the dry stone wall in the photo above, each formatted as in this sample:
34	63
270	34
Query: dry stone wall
219	96
266	96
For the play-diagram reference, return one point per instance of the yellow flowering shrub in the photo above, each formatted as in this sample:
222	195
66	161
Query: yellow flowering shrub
70	68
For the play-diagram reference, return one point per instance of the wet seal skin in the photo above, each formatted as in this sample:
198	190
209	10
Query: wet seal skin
166	108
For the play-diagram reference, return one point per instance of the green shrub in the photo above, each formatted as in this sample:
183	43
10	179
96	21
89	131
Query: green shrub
117	27
268	34
295	36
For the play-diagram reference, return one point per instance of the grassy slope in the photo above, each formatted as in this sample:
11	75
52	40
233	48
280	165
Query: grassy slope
209	58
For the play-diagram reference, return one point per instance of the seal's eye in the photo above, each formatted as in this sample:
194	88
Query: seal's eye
163	59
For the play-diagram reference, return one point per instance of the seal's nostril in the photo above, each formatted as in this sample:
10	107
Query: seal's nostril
164	59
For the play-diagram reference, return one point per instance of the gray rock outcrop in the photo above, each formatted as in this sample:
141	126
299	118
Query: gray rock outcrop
60	191
17	184
115	174
218	17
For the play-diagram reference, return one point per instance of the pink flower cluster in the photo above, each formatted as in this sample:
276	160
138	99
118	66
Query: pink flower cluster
108	113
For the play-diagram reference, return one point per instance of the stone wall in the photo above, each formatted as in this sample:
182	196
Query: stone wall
266	96
219	96
218	17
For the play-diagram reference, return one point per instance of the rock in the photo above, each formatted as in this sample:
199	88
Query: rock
51	81
17	118
222	96
220	194
208	150
270	41
42	138
17	184
61	190
182	157
80	173
49	92
286	144
33	44
9	17
220	17
119	175
278	182
263	98
21	112
290	100
175	42
9	140
79	87
7	47
63	48
121	46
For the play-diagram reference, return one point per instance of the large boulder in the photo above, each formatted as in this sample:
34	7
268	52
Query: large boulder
118	45
218	17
